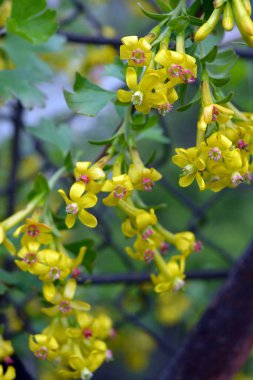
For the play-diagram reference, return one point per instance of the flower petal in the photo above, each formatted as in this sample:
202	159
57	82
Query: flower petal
70	289
70	220
148	82
131	78
87	219
77	190
124	96
88	200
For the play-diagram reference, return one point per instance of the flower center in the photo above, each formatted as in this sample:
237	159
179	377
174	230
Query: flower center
119	192
175	70
87	333
76	273
215	113
165	108
42	353
187	76
164	248
72	208
236	179
84	178
188	170
241	144
54	273
137	98
138	56
86	374
178	284
148	255
65	307
147	233
198	246
33	230
30	258
214	154
148	184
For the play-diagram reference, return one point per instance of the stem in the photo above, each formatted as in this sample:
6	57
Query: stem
55	177
161	265
169	236
200	137
129	210
180	43
136	158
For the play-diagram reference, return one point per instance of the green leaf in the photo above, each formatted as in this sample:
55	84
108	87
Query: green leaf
154	16
3	288
41	184
32	20
149	122
7	277
224	99
164	5
68	162
195	20
29	71
219	81
116	69
210	57
103	142
211	128
208	7
194	7
90	254
154	134
59	136
179	24
88	98
194	100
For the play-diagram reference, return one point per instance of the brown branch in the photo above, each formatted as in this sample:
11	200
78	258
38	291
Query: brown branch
223	339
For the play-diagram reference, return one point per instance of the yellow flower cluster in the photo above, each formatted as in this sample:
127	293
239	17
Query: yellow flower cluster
6	351
163	71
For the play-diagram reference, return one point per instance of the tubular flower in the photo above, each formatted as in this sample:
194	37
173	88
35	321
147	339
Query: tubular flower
214	113
136	51
216	146
6	348
143	178
6	242
180	67
185	242
142	95
10	373
44	347
144	250
64	304
88	175
91	328
192	166
34	231
173	281
120	187
30	261
76	205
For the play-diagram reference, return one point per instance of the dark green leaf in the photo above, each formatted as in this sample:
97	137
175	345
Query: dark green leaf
182	92
194	7
103	142
3	288
164	5
41	184
210	57
32	20
225	99
88	98
179	24
116	69
208	7
90	254
196	21
154	16
154	134
219	81
7	277
211	128
68	162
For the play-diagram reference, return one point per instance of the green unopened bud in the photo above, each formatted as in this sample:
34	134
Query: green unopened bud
247	6
208	26
153	34
243	20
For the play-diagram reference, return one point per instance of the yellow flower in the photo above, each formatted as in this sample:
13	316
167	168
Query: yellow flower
120	187
63	302
184	242
171	308
137	52
30	262
34	231
180	67
88	176
6	242
142	95
6	348
174	281
143	178
214	113
44	347
216	146
192	166
76	204
10	374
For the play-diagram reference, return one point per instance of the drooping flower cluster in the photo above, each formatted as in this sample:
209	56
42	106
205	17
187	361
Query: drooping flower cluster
224	158
156	87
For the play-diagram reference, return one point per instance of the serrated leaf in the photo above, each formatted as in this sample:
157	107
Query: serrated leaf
59	136
152	15
88	99
154	134
194	100
32	20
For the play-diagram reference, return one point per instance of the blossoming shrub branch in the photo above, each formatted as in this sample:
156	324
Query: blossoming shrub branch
159	67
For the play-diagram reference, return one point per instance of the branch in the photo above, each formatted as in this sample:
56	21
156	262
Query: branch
223	338
94	40
138	278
